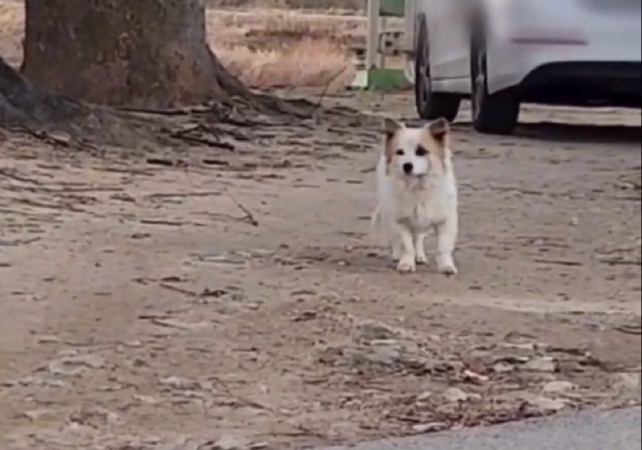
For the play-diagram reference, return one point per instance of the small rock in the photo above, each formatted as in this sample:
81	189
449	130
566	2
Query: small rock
474	377
558	387
430	427
368	331
53	383
36	415
147	399
75	365
545	404
424	397
502	368
528	347
48	340
93	415
180	383
475	364
627	381
229	443
542	364
259	446
456	395
386	356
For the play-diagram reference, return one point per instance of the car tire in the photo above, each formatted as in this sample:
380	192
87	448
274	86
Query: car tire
430	105
491	113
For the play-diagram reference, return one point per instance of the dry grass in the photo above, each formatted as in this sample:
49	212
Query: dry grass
277	48
265	47
319	5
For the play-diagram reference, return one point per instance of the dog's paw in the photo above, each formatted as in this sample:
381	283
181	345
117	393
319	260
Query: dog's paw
446	265
406	265
397	253
421	258
448	269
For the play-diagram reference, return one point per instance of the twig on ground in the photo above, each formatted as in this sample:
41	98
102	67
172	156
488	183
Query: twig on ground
60	139
158	112
12	174
162	195
169	223
185	134
324	93
634	330
249	217
16	243
559	262
178	290
622	262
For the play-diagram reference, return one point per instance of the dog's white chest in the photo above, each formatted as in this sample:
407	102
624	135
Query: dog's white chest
421	212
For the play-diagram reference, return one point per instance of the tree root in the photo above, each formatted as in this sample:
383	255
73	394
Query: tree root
23	105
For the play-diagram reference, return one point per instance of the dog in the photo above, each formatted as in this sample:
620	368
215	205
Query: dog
417	193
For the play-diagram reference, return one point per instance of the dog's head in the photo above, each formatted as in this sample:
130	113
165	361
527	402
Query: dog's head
417	152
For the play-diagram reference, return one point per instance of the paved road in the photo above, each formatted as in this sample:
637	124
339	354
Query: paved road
618	430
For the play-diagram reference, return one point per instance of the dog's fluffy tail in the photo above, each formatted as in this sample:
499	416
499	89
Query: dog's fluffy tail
376	223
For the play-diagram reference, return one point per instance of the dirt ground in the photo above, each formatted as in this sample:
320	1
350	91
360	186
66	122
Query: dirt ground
241	295
237	294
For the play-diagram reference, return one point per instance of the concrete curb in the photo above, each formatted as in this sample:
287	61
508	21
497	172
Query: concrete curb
610	430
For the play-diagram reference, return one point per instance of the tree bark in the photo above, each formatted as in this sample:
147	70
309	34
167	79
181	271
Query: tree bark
22	104
134	53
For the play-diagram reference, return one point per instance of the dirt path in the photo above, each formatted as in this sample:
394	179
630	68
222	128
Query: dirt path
142	306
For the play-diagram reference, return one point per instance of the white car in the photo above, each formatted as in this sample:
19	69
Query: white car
501	53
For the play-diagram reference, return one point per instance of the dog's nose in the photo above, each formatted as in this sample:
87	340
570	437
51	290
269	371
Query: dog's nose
407	168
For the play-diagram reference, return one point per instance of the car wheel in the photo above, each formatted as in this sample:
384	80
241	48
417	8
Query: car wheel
430	105
492	114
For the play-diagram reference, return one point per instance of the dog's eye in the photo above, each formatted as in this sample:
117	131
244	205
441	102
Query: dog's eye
400	152
421	151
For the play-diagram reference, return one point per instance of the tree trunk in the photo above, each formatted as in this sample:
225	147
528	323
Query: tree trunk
136	53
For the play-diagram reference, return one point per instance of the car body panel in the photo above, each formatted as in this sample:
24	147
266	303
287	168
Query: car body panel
525	35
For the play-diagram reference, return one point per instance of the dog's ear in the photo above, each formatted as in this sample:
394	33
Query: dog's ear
390	128
439	129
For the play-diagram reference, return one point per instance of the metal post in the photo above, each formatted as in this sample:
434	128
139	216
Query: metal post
373	59
410	13
375	75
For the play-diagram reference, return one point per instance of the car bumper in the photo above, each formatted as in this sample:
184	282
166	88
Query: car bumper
564	39
512	65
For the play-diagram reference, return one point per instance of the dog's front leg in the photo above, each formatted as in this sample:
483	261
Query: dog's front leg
407	257
420	250
397	248
446	241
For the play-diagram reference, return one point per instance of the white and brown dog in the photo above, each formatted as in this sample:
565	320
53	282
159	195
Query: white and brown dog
417	193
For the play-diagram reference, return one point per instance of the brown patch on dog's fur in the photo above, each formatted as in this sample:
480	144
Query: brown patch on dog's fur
435	139
439	129
390	128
